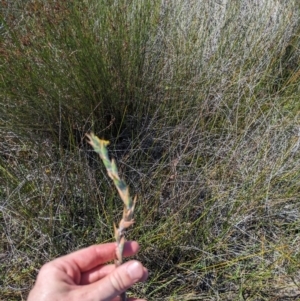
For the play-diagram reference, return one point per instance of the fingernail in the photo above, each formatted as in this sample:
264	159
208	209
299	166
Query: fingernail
134	271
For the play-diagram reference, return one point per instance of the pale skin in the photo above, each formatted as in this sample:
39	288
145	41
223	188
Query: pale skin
84	275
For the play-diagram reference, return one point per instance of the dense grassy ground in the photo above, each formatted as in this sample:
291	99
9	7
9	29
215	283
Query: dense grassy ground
200	100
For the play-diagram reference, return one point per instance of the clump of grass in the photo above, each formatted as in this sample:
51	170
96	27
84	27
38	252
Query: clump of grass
129	203
74	66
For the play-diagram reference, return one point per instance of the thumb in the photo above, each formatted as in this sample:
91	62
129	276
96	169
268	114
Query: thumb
116	282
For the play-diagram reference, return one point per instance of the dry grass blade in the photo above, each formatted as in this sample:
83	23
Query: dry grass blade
99	147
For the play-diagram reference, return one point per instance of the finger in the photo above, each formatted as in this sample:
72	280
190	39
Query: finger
128	299
96	273
88	258
119	280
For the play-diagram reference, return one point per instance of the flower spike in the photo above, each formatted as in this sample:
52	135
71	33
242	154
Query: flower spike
100	147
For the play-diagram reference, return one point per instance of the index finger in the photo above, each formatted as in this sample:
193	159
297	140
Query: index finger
95	255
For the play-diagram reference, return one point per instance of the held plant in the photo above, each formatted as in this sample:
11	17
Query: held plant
99	147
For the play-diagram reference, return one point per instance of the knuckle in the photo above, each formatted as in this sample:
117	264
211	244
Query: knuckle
118	282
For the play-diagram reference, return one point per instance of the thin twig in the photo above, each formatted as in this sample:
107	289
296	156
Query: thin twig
99	147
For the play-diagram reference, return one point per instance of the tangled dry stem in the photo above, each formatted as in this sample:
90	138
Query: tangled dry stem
99	147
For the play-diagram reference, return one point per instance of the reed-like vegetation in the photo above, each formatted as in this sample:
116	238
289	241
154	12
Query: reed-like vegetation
199	100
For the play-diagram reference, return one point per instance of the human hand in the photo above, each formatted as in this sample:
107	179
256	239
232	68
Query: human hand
83	275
